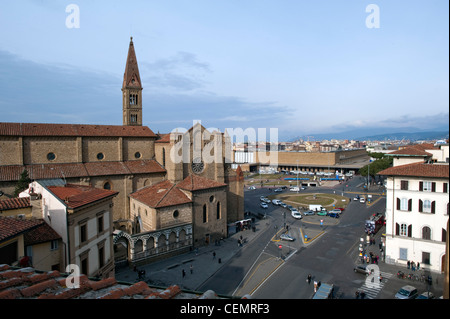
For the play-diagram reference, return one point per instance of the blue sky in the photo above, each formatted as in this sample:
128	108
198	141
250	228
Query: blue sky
305	67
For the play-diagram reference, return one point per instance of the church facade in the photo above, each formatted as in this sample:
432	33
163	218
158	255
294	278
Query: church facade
171	196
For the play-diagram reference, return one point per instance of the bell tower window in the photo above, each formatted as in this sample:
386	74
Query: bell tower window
133	99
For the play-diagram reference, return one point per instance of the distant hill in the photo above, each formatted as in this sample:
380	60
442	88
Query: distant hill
372	134
416	136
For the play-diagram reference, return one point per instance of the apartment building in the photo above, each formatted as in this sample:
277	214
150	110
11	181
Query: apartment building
417	207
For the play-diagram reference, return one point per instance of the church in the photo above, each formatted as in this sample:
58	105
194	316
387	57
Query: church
176	191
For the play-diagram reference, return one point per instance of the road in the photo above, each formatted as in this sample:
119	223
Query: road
330	258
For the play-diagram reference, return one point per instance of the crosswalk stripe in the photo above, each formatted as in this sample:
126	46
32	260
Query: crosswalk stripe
371	290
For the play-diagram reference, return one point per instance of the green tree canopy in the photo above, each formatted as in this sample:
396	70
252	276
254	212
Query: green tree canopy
22	183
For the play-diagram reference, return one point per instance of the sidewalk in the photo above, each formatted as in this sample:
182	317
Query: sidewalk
392	269
198	265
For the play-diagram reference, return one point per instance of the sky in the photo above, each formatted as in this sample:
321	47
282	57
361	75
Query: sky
303	67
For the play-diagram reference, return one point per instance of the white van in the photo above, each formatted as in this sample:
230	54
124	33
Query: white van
294	189
276	202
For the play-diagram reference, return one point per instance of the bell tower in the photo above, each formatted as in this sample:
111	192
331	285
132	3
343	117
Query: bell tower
132	90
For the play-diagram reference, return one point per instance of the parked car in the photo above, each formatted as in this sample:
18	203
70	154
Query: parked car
286	237
278	190
338	211
308	212
283	205
341	209
407	292
362	200
362	269
276	202
333	214
252	187
426	295
356	198
294	189
268	201
296	214
322	213
262	198
290	207
264	205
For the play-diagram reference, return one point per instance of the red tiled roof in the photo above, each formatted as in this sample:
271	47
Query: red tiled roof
162	194
194	183
12	226
418	170
41	234
414	150
163	138
76	196
144	166
15	203
46	129
27	283
106	168
67	170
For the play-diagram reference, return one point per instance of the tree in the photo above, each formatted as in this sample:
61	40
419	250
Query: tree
22	183
376	166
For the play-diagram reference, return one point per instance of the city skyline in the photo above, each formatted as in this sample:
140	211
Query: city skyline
301	67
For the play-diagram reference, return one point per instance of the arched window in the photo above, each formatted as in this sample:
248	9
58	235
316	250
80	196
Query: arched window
107	186
205	214
218	212
426	233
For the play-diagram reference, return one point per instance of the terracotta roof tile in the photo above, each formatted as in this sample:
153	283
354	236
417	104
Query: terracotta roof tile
194	183
162	194
45	129
12	226
26	283
163	138
76	196
41	234
144	166
68	170
106	168
414	150
15	203
418	170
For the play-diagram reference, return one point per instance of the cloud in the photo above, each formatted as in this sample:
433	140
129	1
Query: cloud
33	92
181	72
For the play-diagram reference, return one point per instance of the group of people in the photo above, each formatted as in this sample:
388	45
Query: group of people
412	265
371	258
316	283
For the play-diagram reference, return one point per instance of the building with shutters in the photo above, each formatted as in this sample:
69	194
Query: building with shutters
417	207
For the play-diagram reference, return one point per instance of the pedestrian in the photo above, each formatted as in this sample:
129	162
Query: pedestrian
413	266
192	269
408	264
418	265
315	286
183	273
308	279
214	255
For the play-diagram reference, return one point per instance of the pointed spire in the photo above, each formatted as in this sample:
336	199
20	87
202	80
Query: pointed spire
131	76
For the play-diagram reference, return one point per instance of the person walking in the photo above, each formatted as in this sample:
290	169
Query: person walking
214	255
191	268
183	273
308	279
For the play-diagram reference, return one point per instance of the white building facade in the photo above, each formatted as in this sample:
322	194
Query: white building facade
417	208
